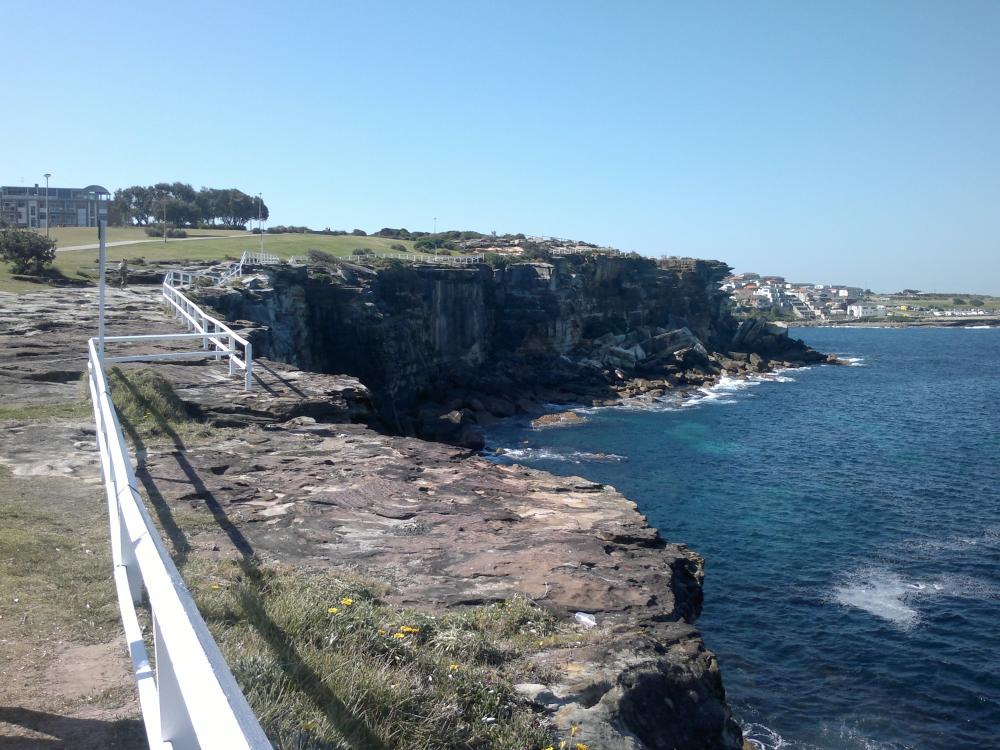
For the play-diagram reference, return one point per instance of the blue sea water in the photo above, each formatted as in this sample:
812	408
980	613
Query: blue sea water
850	519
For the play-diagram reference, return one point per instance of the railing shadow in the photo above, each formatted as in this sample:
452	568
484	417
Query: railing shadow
307	680
284	381
69	731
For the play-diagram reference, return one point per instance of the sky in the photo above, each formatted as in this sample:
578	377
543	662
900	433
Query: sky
834	142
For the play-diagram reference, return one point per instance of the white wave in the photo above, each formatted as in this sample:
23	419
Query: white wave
981	328
882	593
890	596
854	361
549	454
761	737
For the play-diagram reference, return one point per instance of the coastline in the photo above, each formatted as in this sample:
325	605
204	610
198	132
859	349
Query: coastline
291	475
943	322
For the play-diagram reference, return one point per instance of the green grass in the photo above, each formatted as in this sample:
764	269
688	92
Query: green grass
326	664
77	264
55	561
71	236
37	412
947	301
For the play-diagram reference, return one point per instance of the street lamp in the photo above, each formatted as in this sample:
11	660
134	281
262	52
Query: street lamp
260	223
48	219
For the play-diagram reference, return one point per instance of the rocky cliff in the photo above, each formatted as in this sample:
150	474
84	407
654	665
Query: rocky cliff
444	350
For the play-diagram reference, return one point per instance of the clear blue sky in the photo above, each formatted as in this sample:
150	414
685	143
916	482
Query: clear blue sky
851	142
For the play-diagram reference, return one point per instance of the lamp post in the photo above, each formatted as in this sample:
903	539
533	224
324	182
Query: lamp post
48	220
260	224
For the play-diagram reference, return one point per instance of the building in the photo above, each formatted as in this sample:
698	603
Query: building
67	207
866	311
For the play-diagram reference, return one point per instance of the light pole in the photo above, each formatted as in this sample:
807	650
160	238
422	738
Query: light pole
48	220
435	235
260	223
164	201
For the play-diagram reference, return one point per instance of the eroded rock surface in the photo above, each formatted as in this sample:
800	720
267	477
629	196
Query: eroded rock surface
293	476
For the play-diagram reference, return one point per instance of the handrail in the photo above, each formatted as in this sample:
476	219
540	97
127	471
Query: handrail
460	259
222	338
189	697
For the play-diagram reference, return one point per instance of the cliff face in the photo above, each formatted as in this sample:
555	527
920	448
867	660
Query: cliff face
444	349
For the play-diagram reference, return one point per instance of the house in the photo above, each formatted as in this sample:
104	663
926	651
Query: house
862	310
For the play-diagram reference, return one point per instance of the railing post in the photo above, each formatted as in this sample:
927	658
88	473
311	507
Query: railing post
175	723
128	561
232	353
248	361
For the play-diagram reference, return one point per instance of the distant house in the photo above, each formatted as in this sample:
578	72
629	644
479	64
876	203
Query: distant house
866	311
67	207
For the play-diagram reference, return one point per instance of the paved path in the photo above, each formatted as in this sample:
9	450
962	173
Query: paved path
96	245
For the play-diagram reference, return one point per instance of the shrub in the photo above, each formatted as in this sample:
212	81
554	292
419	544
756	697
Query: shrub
535	251
495	260
156	230
321	256
399	248
26	251
359	233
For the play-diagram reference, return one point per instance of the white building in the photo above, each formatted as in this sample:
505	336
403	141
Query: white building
866	311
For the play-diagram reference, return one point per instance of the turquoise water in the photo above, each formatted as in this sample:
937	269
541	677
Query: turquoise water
850	518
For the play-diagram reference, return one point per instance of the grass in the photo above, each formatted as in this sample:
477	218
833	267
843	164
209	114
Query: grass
83	263
37	412
947	301
55	562
149	410
71	236
326	664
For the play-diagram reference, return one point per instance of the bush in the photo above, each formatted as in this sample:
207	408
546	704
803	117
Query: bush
496	260
359	233
359	251
26	251
156	230
535	251
398	247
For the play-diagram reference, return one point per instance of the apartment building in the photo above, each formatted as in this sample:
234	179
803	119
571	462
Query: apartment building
67	207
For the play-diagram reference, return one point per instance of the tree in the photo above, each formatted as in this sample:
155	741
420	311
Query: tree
26	251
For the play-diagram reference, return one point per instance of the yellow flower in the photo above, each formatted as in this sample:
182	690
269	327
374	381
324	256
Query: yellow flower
562	744
381	631
215	586
399	635
572	730
454	668
580	746
549	748
346	601
333	610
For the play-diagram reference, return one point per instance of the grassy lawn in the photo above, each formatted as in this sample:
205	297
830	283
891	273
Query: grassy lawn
83	263
70	236
947	302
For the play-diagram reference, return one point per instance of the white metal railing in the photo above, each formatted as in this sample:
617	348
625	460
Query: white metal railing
458	259
217	338
189	698
301	260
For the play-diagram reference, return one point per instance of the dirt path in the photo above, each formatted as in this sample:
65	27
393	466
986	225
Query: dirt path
96	245
65	677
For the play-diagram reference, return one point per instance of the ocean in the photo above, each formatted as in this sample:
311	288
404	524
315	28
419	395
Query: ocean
850	520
